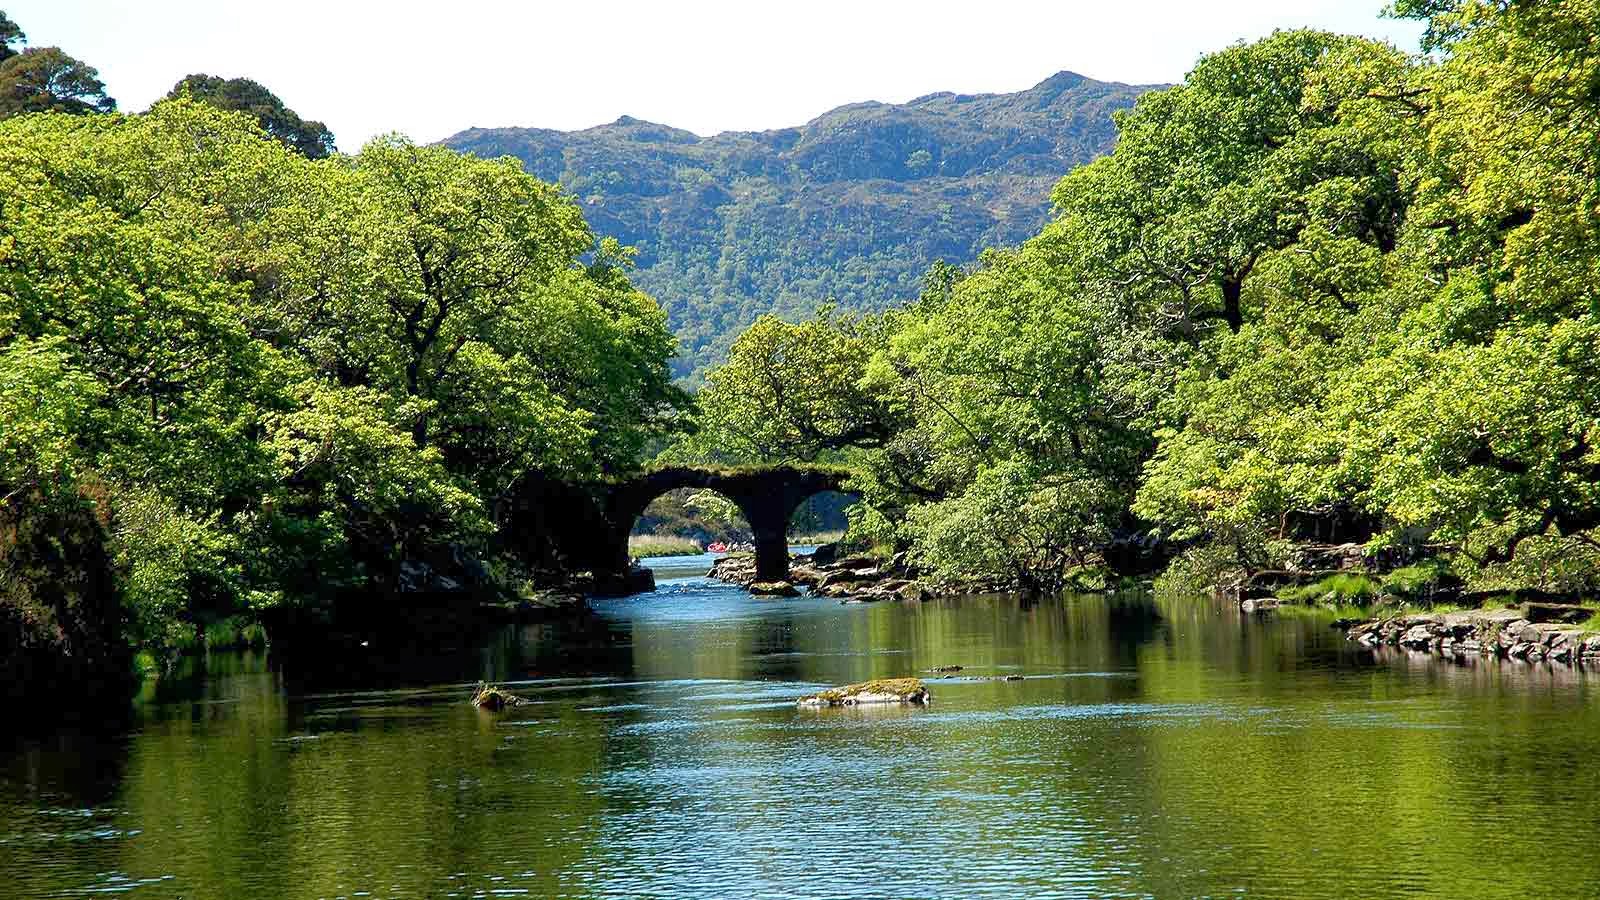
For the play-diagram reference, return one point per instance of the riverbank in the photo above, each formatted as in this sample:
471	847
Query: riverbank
1533	632
850	579
1422	606
649	546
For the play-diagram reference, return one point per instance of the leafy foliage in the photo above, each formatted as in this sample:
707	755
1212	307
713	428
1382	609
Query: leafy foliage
10	33
793	392
312	140
44	79
1319	291
284	378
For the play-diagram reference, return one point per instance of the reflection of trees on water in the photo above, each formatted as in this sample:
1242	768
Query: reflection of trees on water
1163	747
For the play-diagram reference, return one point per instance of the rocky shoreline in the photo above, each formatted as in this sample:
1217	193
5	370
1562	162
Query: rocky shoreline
1534	632
850	579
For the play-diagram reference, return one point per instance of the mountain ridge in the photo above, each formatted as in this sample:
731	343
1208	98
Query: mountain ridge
852	206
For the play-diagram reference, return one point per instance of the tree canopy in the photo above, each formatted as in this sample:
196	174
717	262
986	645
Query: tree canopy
312	140
1319	291
44	79
10	33
285	380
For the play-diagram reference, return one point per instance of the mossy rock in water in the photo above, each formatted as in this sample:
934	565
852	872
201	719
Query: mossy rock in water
879	690
494	699
774	589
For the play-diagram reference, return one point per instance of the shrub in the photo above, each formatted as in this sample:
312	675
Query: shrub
61	620
1425	583
1343	589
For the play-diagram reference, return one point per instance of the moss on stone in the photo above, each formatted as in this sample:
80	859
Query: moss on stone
878	690
493	699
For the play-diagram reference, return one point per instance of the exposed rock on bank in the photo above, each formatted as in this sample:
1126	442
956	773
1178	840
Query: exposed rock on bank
773	589
1535	632
851	579
877	691
552	603
494	699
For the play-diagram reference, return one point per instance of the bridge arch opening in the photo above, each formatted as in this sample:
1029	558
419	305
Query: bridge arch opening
703	517
821	518
766	495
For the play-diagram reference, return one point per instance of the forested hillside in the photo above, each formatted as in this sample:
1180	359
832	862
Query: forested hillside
853	206
1321	291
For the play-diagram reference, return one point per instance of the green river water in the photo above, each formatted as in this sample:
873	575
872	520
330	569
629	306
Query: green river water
1162	749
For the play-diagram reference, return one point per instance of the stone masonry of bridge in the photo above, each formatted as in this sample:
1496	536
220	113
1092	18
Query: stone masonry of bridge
588	525
767	497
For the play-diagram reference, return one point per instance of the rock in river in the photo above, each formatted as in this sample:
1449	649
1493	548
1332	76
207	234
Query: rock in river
880	690
773	589
494	699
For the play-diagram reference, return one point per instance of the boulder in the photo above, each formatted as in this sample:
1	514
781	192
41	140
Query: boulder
877	691
637	580
1555	637
1492	615
494	699
1556	612
914	593
848	576
804	574
1417	637
774	589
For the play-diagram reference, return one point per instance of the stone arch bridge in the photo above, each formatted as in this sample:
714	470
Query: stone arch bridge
587	526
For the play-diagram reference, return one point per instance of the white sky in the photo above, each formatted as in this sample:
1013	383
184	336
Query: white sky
430	69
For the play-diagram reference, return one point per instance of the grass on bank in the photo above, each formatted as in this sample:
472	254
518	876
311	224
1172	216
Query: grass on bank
1428	586
645	546
816	539
1335	590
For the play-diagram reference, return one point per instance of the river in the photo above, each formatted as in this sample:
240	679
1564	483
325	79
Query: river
1153	748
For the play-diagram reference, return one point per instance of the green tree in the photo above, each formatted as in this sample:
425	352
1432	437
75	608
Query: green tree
1012	379
1236	162
1439	388
793	392
44	79
285	379
310	139
10	33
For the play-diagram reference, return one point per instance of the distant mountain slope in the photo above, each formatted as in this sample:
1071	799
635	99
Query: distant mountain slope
852	206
